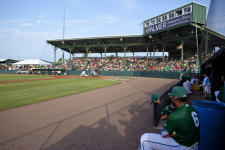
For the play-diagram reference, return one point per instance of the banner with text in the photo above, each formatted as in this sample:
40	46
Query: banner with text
168	24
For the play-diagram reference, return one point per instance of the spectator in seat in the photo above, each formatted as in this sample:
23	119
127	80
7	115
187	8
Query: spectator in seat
187	86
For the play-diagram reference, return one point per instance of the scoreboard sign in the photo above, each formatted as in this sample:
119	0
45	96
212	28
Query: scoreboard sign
180	20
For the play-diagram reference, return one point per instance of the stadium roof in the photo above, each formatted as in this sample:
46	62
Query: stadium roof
139	43
219	53
7	61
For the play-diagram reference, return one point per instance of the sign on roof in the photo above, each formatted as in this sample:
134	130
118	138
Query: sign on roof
180	20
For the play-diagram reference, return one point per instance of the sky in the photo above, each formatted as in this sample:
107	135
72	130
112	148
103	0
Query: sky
25	25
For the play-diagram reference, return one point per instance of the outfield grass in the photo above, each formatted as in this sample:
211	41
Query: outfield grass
8	77
23	93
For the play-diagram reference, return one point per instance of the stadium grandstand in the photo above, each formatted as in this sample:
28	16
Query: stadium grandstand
182	44
183	38
182	33
6	63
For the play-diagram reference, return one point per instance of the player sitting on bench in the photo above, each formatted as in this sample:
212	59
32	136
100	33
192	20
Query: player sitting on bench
181	130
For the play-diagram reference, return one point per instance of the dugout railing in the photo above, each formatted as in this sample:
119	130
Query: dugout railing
157	107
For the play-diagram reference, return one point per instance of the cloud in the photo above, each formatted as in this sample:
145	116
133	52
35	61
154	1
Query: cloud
28	24
112	19
42	16
76	22
11	22
42	21
16	23
14	33
28	34
130	4
107	18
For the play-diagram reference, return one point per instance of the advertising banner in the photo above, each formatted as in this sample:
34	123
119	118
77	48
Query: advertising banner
180	20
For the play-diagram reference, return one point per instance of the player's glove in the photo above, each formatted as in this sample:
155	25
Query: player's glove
167	110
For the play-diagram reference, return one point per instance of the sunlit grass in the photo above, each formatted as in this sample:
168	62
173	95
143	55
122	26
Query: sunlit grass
8	77
24	93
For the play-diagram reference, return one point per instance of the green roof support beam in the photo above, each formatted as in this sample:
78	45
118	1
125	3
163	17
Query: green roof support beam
182	54
125	50
163	48
55	49
86	49
105	49
206	44
147	49
210	31
154	53
70	49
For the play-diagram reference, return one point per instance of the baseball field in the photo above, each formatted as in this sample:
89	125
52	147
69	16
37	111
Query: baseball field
20	90
109	118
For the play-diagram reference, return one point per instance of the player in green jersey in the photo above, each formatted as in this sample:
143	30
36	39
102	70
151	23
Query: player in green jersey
181	130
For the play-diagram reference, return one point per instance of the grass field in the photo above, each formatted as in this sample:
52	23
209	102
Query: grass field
8	77
23	93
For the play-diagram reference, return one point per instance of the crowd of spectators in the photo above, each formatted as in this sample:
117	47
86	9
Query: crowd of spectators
3	67
131	64
117	64
23	67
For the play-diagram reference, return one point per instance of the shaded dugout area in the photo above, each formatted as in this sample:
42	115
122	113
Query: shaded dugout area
214	67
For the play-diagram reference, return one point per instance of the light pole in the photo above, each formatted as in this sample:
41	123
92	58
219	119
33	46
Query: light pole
196	35
63	28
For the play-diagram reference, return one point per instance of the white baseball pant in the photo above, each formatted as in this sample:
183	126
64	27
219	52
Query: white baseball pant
153	141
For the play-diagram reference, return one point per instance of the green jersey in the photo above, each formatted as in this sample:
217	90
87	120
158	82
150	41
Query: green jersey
185	122
221	96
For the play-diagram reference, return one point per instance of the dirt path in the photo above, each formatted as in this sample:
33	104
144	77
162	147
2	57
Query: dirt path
111	118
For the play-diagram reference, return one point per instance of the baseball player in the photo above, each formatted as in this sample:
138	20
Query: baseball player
181	130
206	85
83	74
166	111
187	85
93	73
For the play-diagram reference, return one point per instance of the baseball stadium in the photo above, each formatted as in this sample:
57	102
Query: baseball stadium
105	97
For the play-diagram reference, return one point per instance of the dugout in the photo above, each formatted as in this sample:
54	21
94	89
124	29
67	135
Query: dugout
214	67
48	71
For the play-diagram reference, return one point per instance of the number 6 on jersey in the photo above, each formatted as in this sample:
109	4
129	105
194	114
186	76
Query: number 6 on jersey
195	118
